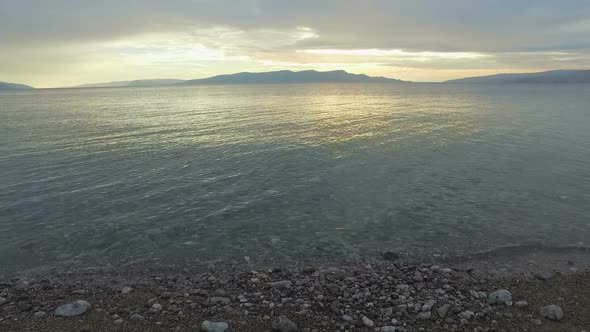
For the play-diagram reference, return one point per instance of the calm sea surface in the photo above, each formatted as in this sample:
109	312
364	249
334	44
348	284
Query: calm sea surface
286	173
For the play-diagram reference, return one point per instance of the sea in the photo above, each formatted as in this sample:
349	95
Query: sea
288	174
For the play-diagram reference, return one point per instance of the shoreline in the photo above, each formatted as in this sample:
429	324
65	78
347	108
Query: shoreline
369	295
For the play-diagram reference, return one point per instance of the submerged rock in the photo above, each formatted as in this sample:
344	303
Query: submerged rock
73	309
553	312
390	256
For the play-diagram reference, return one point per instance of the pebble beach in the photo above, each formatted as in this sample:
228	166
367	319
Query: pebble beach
384	294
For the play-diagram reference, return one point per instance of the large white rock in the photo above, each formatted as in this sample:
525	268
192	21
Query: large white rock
73	309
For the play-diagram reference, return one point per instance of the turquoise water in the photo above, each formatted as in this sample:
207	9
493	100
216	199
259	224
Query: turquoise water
287	173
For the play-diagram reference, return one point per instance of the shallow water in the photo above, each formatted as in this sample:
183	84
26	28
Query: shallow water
290	172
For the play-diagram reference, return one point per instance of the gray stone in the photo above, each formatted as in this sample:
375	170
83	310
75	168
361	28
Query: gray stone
333	288
283	284
220	300
499	297
347	318
388	329
214	326
521	304
388	312
368	322
536	321
137	317
73	309
552	312
425	315
467	315
443	310
126	290
119	321
39	314
284	324
335	307
3	300
156	307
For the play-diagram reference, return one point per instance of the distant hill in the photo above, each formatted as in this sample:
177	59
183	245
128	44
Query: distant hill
549	77
13	86
287	76
117	84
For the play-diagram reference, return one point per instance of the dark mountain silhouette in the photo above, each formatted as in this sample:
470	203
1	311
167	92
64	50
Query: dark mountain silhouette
287	76
13	86
549	77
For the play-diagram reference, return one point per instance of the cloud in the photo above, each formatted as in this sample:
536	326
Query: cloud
453	34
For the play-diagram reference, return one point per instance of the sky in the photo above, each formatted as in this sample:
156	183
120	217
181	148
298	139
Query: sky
56	43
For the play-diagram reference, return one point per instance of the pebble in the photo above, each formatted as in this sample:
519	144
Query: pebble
425	315
73	309
367	321
467	315
156	307
521	304
499	297
283	284
443	310
125	290
553	312
388	329
335	307
136	317
39	314
3	300
284	324
119	321
220	300
214	326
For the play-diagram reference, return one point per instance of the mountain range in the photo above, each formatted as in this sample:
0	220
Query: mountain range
13	86
546	77
336	76
287	76
135	83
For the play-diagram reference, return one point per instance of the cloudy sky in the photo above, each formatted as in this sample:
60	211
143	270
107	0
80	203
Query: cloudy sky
52	43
